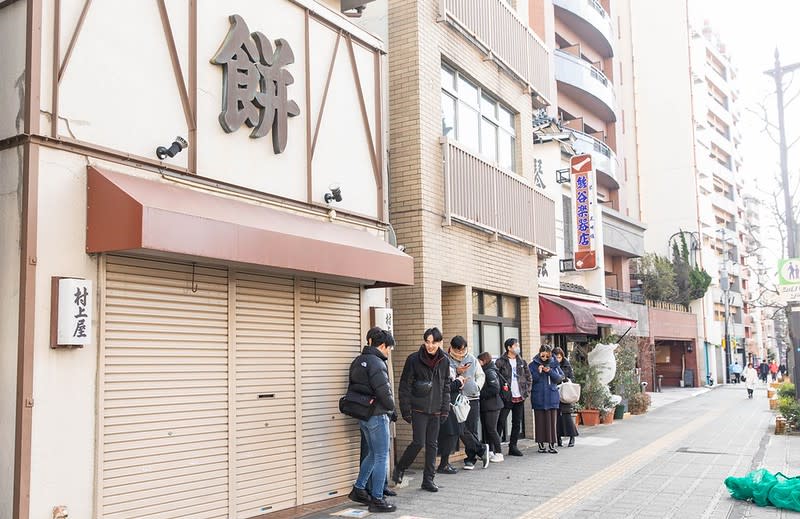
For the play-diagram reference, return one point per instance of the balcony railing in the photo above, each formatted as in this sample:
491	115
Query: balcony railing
579	74
601	33
482	195
603	158
636	298
497	30
664	305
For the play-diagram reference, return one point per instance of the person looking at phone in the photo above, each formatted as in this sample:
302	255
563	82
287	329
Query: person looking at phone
546	375
513	368
466	365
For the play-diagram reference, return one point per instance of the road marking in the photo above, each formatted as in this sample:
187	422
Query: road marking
582	490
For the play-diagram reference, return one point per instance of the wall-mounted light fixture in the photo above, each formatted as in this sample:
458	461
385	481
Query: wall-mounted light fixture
178	145
334	194
562	176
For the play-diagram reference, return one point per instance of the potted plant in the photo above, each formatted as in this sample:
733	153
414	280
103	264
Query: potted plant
639	403
607	408
593	393
625	382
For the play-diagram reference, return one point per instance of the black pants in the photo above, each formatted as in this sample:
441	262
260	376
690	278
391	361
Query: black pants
472	444
425	429
735	377
362	455
516	421
749	393
489	421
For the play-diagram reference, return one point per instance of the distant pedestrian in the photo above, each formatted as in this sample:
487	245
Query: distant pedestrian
424	392
514	370
369	375
773	370
736	372
763	370
491	404
782	369
565	425
750	379
546	375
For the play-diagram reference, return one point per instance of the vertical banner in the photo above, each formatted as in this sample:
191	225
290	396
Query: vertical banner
581	169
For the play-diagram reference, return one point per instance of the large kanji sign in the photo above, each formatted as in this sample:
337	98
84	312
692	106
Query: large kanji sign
255	83
581	170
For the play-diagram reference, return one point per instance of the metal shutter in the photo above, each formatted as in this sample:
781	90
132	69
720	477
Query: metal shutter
330	340
164	395
266	471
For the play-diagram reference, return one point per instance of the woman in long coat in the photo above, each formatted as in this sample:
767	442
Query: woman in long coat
546	375
565	425
750	376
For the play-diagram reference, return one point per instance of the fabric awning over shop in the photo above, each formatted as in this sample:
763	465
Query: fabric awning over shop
128	213
561	315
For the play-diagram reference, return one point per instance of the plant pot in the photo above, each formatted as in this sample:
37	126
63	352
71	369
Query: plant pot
607	418
590	417
770	393
773	403
780	425
619	412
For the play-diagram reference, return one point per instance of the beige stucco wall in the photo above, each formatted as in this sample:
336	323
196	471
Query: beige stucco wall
10	220
12	63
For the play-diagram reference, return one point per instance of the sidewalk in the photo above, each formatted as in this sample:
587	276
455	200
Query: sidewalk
670	395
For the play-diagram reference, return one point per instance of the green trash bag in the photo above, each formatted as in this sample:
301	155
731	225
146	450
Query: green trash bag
754	486
786	493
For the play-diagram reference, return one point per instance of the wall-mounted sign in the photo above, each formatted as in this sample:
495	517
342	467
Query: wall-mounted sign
581	170
72	302
255	83
383	317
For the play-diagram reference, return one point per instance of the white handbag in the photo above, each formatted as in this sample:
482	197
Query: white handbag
569	392
461	408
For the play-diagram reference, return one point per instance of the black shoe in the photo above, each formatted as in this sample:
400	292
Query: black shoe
381	505
559	442
551	449
430	486
571	441
541	448
360	495
514	451
397	475
389	492
447	469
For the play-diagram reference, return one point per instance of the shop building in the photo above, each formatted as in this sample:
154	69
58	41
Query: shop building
188	307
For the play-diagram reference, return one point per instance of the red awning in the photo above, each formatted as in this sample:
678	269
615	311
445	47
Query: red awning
128	213
561	315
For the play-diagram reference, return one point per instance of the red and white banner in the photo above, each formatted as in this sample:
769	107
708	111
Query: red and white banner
581	170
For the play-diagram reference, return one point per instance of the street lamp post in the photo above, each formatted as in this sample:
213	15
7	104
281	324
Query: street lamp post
725	285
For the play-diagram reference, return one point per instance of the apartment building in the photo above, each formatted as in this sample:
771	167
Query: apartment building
589	113
465	200
686	116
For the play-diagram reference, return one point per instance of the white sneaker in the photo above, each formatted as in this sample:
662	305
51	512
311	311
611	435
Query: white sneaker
496	458
468	465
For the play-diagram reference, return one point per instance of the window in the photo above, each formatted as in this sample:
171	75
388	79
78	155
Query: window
477	120
495	318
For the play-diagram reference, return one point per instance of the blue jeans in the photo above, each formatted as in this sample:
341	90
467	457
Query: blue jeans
376	465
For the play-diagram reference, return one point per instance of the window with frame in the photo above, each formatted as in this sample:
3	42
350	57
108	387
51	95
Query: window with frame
495	318
477	120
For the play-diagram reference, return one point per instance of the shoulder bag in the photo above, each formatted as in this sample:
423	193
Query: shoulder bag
461	408
569	392
357	405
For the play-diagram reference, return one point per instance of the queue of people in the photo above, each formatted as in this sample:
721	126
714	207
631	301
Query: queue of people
431	383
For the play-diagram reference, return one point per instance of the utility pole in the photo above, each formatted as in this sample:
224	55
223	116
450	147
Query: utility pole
777	74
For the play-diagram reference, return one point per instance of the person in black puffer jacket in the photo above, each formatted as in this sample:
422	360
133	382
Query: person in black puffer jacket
369	375
491	404
424	392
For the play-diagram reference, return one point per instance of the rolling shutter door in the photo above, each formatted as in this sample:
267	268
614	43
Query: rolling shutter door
165	391
266	472
330	340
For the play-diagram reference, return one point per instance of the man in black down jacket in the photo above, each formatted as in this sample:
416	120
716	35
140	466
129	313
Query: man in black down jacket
370	376
424	403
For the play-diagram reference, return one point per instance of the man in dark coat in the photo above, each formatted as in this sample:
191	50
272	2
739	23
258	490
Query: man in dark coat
369	375
424	392
514	370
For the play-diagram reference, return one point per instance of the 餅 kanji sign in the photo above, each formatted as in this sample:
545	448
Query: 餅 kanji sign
585	255
255	83
789	279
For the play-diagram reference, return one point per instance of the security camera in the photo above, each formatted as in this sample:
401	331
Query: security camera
176	147
334	194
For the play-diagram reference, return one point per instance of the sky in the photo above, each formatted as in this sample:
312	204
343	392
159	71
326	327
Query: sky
751	32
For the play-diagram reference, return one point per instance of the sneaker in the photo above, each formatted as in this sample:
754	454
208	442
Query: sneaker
469	465
496	458
514	451
381	505
485	455
397	475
